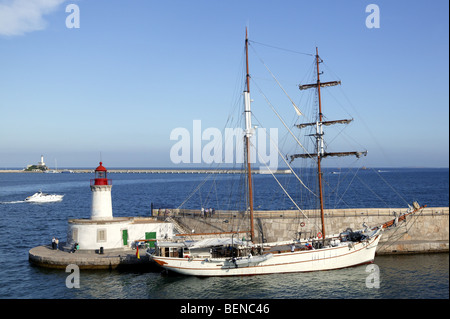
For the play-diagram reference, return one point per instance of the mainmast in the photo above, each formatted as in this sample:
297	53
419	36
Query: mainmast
248	134
319	136
320	151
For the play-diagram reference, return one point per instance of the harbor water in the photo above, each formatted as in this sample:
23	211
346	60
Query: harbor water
26	225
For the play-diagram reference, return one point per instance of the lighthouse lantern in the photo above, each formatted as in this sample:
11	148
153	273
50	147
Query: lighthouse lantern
101	176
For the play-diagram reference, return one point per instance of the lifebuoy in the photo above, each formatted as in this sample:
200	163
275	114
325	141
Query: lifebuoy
319	235
302	224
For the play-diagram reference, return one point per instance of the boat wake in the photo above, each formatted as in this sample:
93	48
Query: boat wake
13	202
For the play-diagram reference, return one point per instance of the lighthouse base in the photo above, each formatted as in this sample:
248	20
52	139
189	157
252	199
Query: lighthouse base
115	233
103	244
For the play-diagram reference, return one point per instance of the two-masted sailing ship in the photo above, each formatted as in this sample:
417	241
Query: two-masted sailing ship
234	257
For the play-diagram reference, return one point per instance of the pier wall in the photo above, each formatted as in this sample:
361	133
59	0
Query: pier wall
427	231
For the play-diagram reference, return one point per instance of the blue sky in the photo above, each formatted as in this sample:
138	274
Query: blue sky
137	69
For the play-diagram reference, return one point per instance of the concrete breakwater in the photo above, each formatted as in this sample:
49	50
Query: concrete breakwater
424	232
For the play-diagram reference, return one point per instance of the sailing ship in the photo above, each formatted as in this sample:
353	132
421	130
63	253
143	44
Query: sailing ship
236	257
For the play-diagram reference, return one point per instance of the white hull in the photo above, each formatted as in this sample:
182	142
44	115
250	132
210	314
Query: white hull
341	256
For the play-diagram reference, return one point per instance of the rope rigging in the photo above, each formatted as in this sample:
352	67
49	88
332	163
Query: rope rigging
240	190
278	48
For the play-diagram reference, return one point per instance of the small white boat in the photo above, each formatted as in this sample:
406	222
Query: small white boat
41	197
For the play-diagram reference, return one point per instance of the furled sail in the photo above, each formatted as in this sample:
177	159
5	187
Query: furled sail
322	84
326	123
325	154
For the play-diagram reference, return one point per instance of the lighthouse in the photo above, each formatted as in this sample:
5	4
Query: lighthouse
41	163
103	232
101	194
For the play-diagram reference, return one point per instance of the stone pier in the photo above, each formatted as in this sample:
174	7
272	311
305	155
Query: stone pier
45	256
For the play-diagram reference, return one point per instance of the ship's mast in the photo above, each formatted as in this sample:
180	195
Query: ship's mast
248	134
320	151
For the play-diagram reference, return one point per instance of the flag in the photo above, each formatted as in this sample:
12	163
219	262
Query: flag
137	252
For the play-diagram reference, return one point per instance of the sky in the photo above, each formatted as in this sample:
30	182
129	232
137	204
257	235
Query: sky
115	86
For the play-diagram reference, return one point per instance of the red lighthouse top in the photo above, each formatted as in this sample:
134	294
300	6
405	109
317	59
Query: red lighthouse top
100	176
101	168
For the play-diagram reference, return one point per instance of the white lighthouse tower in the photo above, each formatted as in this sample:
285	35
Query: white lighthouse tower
101	208
41	163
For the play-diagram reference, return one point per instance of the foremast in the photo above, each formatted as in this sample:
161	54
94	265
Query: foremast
320	150
247	136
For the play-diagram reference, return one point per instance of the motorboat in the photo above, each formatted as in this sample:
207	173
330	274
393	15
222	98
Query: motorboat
41	197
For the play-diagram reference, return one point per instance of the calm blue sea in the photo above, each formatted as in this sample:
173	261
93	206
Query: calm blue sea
24	226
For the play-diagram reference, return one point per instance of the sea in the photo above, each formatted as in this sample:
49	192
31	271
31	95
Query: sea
25	225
